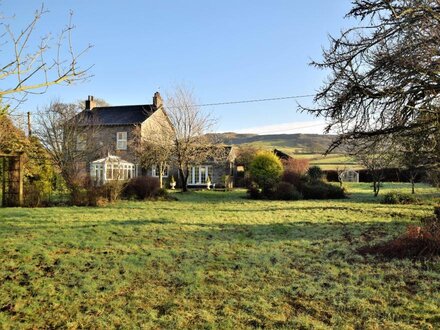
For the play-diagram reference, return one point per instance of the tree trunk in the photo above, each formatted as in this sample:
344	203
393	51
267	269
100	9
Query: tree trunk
75	196
413	176
183	179
160	175
377	189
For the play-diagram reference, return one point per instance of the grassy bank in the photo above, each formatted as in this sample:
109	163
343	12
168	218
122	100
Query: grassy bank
215	260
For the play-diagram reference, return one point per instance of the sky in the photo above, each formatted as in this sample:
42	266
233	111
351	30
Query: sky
223	50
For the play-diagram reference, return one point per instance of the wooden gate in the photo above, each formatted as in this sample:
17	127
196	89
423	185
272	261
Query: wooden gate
12	179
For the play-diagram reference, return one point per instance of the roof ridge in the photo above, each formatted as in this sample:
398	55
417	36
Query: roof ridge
124	106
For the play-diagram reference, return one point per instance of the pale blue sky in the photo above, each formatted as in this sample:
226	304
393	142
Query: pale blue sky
225	50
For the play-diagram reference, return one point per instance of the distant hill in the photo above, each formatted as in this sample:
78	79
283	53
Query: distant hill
309	146
289	143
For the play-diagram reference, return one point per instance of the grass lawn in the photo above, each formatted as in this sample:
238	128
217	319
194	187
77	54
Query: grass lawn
215	260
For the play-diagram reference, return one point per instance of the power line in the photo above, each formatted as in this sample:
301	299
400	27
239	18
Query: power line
257	100
226	102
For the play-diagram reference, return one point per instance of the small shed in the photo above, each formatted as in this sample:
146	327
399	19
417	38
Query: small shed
349	176
111	168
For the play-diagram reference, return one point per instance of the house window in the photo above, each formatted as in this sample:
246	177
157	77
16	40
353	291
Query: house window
199	174
155	171
121	140
203	171
81	142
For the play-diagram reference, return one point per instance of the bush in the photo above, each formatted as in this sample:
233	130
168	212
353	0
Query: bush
419	242
92	196
322	190
298	166
314	191
315	173
254	192
335	192
33	196
162	193
101	201
113	190
293	178
245	154
294	171
287	192
399	198
142	187
266	169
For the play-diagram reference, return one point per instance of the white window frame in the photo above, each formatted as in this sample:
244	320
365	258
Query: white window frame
115	171
121	140
196	178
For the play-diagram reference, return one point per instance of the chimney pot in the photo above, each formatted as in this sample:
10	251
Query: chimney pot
157	100
90	103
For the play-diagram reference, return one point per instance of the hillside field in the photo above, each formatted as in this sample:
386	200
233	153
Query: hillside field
309	146
215	260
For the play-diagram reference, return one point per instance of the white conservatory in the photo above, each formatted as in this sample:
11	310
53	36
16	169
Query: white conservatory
112	168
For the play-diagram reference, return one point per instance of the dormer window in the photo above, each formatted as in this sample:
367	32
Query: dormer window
121	141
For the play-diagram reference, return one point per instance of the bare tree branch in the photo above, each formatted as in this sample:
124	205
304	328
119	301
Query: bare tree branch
192	144
32	69
384	74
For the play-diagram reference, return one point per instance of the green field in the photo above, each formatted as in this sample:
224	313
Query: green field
215	260
309	146
331	161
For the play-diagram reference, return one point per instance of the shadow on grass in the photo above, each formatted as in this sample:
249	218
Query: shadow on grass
199	233
24	226
215	197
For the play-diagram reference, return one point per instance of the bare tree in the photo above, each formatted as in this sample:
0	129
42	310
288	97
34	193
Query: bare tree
415	153
192	145
375	156
340	171
384	73
246	153
154	146
70	139
33	63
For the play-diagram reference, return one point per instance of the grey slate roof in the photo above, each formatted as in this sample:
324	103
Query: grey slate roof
120	115
281	155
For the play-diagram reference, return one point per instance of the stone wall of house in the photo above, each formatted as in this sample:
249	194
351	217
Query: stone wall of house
106	139
157	126
219	171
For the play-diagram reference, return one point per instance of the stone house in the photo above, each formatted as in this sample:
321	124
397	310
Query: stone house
220	168
115	157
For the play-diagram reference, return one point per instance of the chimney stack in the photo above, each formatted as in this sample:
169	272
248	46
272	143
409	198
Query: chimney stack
157	100
90	103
